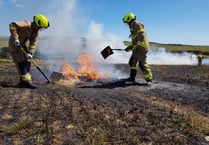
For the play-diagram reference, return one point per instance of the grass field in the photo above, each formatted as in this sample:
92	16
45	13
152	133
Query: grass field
180	47
3	41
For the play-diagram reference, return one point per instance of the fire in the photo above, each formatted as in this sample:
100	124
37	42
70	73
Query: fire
68	72
86	72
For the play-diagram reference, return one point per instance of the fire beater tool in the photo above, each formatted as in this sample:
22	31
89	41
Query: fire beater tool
55	76
35	64
107	51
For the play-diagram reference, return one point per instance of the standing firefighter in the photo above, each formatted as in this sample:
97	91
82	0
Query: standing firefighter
139	47
21	33
199	58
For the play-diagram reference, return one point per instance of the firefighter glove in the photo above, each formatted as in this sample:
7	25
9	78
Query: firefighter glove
129	48
16	42
29	56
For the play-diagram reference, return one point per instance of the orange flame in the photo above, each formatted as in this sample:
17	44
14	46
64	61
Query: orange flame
87	69
68	72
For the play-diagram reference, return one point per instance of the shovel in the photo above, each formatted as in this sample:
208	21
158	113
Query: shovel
107	51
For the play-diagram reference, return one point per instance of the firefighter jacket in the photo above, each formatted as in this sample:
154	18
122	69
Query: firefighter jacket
138	36
25	31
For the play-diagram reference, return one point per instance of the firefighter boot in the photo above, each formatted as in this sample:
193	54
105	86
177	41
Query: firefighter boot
28	84
20	84
132	75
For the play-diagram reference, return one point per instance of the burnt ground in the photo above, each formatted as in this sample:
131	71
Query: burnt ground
172	111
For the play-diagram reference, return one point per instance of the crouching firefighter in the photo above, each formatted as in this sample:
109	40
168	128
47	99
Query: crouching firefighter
23	32
139	47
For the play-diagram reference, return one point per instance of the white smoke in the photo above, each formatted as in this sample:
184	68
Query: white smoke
64	40
161	56
97	40
60	40
205	61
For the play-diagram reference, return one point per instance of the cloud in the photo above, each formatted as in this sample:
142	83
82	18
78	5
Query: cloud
19	6
1	3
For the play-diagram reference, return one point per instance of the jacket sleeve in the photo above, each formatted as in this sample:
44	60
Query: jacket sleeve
138	36
33	42
13	30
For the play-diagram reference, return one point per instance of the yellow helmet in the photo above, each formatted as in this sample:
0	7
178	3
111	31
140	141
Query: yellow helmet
129	17
41	21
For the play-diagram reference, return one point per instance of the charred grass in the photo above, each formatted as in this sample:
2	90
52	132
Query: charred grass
54	115
59	116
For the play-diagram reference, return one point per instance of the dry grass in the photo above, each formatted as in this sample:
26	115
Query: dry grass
16	127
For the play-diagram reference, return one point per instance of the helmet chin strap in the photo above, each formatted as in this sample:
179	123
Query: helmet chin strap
34	21
131	21
42	29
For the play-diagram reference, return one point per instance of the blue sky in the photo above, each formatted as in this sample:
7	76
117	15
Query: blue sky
166	21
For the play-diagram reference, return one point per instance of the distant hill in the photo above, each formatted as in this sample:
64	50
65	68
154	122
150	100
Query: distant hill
196	49
4	38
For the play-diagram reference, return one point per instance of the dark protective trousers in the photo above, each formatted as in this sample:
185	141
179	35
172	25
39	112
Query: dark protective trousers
139	55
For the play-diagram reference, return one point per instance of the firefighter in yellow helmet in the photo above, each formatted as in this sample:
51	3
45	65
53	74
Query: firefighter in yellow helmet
139	47
199	58
23	32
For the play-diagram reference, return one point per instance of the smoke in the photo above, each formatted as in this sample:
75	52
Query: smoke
60	40
161	56
205	61
63	40
97	40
